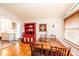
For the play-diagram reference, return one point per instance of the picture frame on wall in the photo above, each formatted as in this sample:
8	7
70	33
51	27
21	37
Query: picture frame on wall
13	25
43	27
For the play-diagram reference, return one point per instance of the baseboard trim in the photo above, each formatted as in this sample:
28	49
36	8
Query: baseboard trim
72	44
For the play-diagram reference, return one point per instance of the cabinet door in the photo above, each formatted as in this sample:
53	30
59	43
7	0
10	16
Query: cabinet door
25	39
28	39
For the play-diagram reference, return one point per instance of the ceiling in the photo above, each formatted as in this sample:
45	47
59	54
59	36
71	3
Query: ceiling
34	10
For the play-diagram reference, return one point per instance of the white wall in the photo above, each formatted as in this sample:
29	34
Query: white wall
5	15
57	30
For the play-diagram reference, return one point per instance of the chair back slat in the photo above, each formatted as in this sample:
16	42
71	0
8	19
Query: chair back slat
57	51
36	49
68	51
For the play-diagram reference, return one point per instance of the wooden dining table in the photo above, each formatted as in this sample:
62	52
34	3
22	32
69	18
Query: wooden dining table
47	44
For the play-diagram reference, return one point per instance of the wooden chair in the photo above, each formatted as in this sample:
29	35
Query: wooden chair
43	38
46	52
53	37
56	51
20	39
36	49
0	37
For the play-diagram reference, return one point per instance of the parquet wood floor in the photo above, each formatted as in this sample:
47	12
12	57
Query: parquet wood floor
4	44
18	49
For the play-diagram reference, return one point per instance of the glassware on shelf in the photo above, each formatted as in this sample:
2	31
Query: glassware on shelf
31	29
30	26
28	29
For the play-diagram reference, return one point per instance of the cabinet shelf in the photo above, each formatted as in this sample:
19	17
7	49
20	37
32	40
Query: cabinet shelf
29	35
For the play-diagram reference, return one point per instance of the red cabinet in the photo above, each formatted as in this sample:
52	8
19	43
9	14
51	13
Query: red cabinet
29	35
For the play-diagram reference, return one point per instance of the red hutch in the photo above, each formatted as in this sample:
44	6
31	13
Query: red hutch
29	35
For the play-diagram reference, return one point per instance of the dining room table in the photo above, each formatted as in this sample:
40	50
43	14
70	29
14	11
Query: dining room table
48	43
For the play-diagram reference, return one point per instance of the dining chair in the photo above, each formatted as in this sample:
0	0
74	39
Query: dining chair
43	38
57	51
53	37
36	49
0	37
46	52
